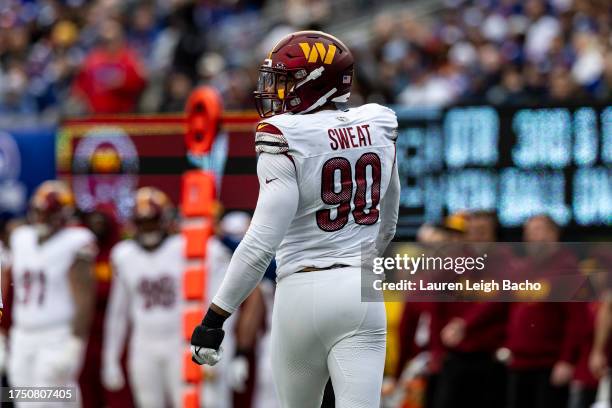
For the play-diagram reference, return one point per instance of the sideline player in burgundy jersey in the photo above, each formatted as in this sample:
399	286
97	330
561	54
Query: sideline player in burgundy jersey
328	187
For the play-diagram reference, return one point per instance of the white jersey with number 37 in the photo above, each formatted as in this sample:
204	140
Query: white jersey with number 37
343	162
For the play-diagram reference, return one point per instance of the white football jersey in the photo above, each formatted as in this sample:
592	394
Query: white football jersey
152	281
40	275
343	162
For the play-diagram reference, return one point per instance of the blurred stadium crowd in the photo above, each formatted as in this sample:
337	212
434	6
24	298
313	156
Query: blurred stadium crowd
106	56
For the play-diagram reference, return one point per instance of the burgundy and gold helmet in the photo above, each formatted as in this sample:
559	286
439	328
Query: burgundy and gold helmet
152	216
151	203
52	198
304	71
51	207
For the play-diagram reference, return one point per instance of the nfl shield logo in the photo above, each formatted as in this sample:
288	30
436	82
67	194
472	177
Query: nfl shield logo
346	79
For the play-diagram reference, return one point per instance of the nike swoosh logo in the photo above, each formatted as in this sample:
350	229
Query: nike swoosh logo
271	180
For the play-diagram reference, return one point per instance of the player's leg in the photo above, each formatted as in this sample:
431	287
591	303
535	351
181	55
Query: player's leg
173	374
356	363
21	360
145	375
355	333
265	394
522	389
299	356
21	363
54	367
216	392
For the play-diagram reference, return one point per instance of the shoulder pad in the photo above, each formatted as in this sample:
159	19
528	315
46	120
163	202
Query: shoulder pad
18	233
121	250
270	139
80	236
87	252
393	135
389	119
176	240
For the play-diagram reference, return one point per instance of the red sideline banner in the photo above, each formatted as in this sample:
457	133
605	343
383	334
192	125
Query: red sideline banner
106	158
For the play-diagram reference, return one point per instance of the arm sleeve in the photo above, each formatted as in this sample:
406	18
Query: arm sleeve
115	322
276	207
389	212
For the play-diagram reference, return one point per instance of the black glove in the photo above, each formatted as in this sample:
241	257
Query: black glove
206	339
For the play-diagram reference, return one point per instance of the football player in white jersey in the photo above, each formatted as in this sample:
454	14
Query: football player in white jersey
328	187
146	291
52	273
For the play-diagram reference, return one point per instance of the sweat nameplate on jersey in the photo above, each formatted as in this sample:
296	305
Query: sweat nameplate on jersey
349	137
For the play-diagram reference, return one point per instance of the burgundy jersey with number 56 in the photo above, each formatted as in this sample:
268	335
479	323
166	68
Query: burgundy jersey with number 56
343	162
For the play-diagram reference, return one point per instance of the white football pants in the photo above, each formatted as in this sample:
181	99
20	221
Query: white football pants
155	371
30	360
320	328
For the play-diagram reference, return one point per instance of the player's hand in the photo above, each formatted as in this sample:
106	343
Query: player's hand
206	345
65	364
389	386
598	363
112	376
562	373
207	337
238	373
453	333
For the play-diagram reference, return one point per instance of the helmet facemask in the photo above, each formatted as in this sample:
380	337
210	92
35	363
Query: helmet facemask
50	208
48	221
152	217
275	92
151	231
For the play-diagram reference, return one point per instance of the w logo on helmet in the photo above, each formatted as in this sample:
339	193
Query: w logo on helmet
318	49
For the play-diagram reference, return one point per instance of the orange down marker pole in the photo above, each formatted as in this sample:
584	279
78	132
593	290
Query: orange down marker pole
198	198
